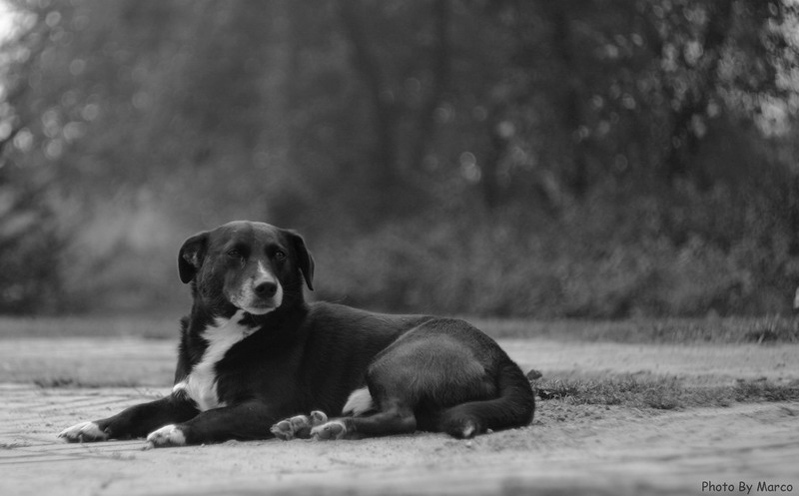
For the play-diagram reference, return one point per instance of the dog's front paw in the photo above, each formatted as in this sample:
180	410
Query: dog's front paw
329	431
168	435
299	426
83	432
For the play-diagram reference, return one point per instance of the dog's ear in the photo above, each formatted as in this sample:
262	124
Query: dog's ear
304	258
190	257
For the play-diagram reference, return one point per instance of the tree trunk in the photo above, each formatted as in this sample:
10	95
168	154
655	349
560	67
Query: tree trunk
441	73
366	65
571	99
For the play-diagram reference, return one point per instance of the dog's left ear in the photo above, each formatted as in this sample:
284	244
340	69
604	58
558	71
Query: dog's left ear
191	255
304	258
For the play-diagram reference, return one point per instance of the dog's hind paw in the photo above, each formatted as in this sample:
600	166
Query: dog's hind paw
169	435
329	431
83	432
318	418
299	426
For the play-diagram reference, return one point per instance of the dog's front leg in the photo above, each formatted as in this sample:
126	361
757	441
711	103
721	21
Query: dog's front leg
249	420
136	421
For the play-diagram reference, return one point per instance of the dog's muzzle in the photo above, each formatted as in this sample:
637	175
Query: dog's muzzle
259	294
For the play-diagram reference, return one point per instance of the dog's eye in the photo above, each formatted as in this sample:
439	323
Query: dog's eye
280	256
234	253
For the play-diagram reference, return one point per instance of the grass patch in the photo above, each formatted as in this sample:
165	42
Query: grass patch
733	330
10	446
665	393
765	391
737	330
147	326
56	382
73	382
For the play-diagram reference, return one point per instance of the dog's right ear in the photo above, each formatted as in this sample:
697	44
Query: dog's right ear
191	255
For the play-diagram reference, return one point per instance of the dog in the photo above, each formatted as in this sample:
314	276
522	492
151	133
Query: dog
254	357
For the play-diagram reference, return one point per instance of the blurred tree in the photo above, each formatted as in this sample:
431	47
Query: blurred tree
31	246
580	138
31	242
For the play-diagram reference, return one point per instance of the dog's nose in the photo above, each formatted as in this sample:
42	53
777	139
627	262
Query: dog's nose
266	289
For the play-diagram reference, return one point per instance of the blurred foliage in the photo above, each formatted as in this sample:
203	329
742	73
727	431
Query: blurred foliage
582	158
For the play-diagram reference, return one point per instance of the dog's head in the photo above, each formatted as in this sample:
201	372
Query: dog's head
245	265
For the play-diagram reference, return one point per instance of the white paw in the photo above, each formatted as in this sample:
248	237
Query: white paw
290	428
168	435
335	429
83	432
298	426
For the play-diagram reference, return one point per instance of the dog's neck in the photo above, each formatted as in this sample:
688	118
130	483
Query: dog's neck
287	317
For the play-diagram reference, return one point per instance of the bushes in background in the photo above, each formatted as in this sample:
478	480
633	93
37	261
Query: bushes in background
604	259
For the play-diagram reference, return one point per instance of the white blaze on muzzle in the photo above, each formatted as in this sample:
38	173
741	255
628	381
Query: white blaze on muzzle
259	294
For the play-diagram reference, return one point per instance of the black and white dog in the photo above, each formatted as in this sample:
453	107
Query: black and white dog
253	352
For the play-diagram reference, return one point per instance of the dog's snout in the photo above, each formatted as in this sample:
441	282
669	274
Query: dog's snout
255	289
266	289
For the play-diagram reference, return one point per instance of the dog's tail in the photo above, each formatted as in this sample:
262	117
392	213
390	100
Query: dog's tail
513	407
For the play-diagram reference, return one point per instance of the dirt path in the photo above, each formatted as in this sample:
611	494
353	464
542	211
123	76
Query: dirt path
568	450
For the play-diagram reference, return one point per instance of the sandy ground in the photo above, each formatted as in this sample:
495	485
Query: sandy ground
568	450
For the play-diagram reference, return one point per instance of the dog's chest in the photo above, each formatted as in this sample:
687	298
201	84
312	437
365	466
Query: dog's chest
201	383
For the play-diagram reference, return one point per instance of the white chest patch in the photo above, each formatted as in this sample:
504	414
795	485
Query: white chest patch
200	385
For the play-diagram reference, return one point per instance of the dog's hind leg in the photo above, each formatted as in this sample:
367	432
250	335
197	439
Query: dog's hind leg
513	406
